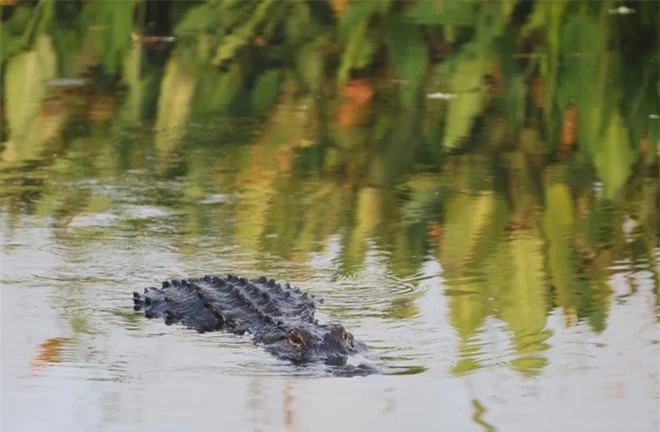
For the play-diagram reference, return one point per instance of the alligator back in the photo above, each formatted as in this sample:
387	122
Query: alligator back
233	304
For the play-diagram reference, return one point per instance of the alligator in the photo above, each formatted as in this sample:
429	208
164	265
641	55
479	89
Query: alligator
279	318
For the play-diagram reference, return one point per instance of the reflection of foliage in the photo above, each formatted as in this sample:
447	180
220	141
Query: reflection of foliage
358	105
402	308
50	352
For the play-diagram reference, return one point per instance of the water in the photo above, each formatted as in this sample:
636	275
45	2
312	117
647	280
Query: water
466	327
499	257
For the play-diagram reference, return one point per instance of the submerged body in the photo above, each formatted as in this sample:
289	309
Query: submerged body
279	318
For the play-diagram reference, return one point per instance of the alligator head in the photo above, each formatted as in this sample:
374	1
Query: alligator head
305	343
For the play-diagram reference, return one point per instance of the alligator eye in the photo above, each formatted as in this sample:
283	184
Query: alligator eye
295	338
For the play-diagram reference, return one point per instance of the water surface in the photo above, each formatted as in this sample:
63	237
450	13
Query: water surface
498	256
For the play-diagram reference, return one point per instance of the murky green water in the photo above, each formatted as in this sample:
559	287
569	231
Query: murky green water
499	257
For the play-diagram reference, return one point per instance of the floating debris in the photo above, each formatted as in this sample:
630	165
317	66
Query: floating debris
219	199
621	10
66	82
136	37
441	96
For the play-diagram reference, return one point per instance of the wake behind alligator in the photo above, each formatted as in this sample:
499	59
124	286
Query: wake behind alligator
279	318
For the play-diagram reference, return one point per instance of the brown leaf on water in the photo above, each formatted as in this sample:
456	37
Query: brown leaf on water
358	90
346	114
101	107
356	95
338	6
644	144
435	231
493	80
536	89
569	128
152	39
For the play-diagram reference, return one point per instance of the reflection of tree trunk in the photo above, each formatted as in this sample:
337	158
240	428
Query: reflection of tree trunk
288	406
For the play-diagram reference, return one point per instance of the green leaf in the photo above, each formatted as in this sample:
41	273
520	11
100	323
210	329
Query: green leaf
653	136
113	24
584	75
460	13
20	19
310	65
355	14
614	156
199	19
513	87
462	110
489	26
266	90
10	43
241	35
357	54
409	57
216	90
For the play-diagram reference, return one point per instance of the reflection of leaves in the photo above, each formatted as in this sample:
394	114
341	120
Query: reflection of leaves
216	90
24	85
469	307
425	195
367	218
477	417
466	217
468	73
519	288
523	297
402	308
614	156
557	227
176	93
310	63
132	112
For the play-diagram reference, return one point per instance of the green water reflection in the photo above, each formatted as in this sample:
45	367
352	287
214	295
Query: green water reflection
527	169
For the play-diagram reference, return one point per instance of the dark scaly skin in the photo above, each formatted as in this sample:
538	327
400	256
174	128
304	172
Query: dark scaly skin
279	318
